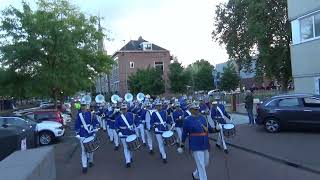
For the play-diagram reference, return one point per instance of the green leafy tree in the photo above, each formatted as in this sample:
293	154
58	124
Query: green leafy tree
178	78
229	79
256	27
54	48
200	73
148	81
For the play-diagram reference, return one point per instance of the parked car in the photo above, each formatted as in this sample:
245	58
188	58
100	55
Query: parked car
289	111
21	125
48	131
46	115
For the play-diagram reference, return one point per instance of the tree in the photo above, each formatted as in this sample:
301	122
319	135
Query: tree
148	81
200	73
229	79
178	78
256	27
54	48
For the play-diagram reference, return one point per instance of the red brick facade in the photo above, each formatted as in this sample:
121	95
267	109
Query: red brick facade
128	62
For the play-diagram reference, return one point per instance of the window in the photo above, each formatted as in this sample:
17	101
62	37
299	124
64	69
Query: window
317	25
16	122
146	46
131	64
311	102
306	28
289	102
159	66
272	103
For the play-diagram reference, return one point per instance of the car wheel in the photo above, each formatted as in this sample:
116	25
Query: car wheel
45	138
272	125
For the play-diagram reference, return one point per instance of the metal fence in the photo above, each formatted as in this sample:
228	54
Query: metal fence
262	95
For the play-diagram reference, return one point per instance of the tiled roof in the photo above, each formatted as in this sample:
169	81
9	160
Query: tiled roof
135	45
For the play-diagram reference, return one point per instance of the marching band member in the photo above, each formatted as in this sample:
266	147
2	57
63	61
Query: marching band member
125	127
196	127
85	126
113	115
178	116
218	113
140	113
147	127
108	112
159	122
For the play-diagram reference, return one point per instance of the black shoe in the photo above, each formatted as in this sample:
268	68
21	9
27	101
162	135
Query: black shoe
144	144
226	151
194	178
131	160
218	146
84	170
116	148
91	164
151	152
128	165
164	161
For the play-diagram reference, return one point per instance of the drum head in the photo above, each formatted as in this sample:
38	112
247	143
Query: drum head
228	126
131	138
88	139
167	134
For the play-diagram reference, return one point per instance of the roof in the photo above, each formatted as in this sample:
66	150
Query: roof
295	95
134	45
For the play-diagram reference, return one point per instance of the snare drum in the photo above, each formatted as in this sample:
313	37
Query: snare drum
133	142
229	130
91	144
168	137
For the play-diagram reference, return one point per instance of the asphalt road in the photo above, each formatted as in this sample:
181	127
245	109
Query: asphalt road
109	165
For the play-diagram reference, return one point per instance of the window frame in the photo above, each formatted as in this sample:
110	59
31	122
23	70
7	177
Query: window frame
131	63
313	14
282	99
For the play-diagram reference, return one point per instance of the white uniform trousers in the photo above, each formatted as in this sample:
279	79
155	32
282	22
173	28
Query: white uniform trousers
220	140
179	132
149	139
202	161
115	137
140	133
85	157
127	153
109	131
161	146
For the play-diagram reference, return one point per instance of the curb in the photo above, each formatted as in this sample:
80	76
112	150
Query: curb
273	158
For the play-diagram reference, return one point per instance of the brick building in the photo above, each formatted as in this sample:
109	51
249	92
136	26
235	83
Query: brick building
137	54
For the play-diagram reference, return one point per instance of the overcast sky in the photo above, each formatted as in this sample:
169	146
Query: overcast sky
182	26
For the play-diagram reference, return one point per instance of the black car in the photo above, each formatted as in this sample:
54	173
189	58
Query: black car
289	111
27	126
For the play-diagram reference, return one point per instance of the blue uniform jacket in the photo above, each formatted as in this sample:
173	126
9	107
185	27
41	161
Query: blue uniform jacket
90	120
203	107
176	113
121	126
155	121
193	129
113	119
185	113
215	114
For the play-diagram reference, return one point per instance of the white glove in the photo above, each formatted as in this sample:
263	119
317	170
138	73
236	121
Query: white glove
180	150
120	134
78	136
219	127
202	111
180	117
95	130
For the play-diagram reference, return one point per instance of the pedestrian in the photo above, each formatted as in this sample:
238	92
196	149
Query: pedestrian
249	106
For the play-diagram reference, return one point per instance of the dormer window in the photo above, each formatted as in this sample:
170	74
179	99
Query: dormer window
146	46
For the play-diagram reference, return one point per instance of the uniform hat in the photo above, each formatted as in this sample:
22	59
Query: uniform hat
217	98
83	102
158	103
177	104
